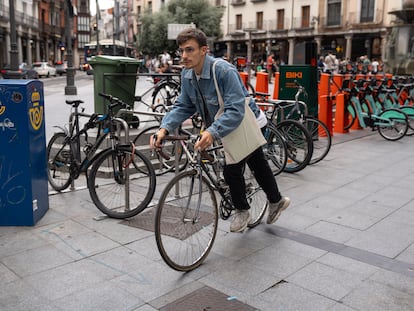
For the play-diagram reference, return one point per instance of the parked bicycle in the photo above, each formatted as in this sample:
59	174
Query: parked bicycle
112	169
296	137
298	110
187	214
392	124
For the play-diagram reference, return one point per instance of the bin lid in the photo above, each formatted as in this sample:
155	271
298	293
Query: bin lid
111	60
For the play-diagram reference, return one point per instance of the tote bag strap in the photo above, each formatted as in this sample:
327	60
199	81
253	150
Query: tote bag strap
220	98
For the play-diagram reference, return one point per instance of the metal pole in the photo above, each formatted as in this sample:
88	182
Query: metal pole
114	13
98	17
70	88
249	56
14	52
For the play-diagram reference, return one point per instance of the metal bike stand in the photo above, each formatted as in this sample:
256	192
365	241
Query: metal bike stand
78	147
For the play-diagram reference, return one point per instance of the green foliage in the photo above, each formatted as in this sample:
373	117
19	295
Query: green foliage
154	37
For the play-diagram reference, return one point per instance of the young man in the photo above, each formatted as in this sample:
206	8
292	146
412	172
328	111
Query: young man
198	69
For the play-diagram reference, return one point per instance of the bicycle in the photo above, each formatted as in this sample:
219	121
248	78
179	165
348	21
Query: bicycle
187	215
164	92
111	172
296	137
321	137
392	124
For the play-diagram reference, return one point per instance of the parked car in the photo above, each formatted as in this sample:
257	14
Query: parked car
24	72
44	69
61	67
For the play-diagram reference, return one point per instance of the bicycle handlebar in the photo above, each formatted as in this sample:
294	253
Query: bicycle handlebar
114	101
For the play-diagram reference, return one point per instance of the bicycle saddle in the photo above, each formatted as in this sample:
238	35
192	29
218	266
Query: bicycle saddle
75	103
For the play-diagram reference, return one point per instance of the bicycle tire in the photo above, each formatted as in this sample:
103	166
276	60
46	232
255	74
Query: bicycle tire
398	127
275	150
59	162
184	243
166	93
299	144
256	197
350	114
409	110
250	89
321	137
161	165
110	192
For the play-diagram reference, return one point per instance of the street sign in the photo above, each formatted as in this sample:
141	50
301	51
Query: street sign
175	29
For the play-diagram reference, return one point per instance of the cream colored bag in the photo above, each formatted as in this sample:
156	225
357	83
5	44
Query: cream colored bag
246	138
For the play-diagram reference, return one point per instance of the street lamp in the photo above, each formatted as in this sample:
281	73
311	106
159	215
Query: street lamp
14	52
70	88
249	50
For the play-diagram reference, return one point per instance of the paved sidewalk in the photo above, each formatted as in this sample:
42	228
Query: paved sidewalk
345	243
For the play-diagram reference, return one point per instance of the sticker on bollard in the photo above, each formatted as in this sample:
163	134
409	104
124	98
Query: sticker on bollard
23	176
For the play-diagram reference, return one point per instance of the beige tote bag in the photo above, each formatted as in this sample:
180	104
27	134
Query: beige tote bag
246	138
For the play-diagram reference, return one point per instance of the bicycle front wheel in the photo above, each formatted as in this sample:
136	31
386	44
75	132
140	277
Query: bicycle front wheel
321	138
275	151
299	144
59	162
186	221
172	148
121	182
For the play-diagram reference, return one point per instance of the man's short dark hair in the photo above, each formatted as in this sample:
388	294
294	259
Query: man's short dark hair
192	33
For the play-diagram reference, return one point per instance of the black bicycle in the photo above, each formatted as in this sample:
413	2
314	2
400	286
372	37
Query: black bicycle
112	168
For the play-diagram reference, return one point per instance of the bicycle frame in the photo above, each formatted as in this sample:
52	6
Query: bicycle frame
73	134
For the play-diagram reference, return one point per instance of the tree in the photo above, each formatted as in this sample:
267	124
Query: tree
154	39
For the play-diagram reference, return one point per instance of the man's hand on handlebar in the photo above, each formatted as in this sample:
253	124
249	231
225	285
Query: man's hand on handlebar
205	141
157	138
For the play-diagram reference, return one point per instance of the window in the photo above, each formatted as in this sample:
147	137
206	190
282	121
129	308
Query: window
150	7
218	2
305	16
259	20
367	11
239	22
334	12
280	19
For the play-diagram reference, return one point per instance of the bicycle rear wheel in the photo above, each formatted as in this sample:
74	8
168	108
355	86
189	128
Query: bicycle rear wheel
172	148
186	221
166	93
321	138
299	144
121	183
395	125
275	150
59	162
256	197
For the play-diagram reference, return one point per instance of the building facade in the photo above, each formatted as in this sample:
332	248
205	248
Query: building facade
41	31
252	28
349	28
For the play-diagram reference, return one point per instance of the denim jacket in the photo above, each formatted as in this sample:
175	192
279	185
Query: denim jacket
189	101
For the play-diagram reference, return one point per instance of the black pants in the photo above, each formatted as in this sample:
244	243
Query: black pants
233	174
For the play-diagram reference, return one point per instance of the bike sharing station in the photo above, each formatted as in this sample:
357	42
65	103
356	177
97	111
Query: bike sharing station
23	177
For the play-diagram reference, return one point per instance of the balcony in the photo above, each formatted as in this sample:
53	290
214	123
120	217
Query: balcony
4	12
300	24
356	21
277	27
237	2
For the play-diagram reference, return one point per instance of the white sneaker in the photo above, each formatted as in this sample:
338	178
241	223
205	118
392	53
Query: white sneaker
240	221
275	209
